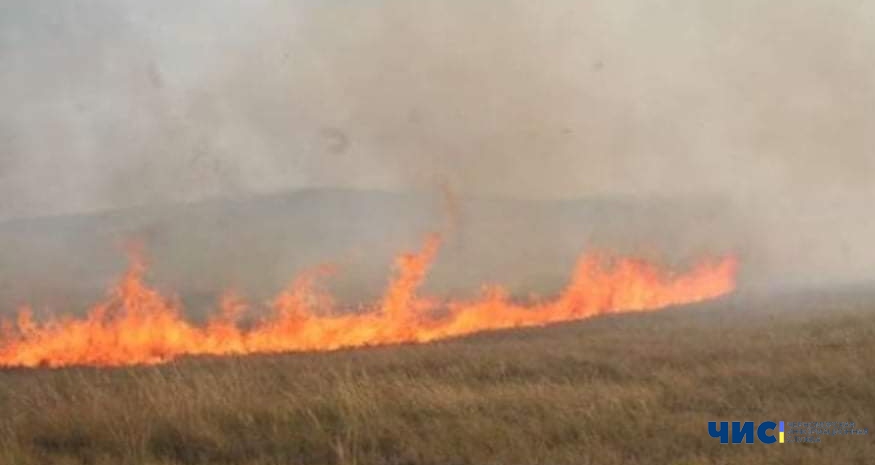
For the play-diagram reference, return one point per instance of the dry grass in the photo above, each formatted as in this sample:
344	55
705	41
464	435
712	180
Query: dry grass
635	389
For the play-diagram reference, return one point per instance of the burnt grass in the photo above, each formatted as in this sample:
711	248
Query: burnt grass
621	389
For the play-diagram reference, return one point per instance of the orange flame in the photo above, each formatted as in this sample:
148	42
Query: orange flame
137	325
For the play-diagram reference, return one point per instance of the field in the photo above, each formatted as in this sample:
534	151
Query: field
623	389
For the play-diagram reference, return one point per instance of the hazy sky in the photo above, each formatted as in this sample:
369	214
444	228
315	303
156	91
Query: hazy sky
109	103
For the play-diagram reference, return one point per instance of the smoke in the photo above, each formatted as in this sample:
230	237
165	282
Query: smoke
109	104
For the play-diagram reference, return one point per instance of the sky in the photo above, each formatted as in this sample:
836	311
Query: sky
114	103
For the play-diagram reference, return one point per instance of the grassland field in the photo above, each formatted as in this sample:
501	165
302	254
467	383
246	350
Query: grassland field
634	389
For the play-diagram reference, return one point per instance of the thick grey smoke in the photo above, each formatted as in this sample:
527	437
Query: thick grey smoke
771	105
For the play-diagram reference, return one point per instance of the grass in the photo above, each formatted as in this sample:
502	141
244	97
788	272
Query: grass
626	389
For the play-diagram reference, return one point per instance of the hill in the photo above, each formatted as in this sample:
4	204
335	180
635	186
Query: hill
256	245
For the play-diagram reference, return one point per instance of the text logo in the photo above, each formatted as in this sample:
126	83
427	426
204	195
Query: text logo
743	432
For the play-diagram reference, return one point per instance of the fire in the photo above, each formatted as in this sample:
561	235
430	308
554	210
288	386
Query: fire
138	325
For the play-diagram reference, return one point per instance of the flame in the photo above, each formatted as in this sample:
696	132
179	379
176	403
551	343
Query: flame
138	325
